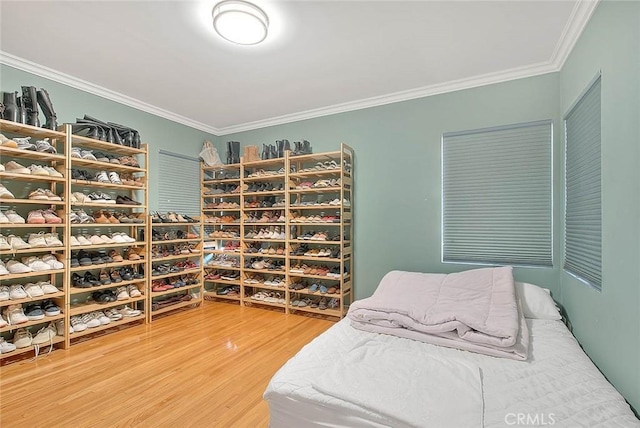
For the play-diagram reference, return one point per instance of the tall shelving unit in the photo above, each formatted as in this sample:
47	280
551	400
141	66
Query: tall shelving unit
21	185
294	242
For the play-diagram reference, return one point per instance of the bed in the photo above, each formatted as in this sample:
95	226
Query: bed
352	378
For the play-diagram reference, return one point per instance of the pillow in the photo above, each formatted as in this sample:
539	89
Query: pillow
537	302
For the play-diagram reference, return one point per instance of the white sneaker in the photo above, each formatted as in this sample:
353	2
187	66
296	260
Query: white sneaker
4	245
17	243
14	218
52	261
127	238
3	323
15	168
52	240
15	315
6	347
88	154
90	320
22	338
38	170
114	178
102	177
36	264
83	240
133	291
3	269
48	288
52	171
118	238
4	293
14	266
128	312
122	293
96	240
75	152
45	335
4	193
77	325
60	328
73	241
100	316
36	240
113	314
17	292
106	239
3	218
33	290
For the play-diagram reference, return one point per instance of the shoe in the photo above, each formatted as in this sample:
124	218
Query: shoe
7	142
60	328
35	216
100	218
52	261
38	170
38	194
17	292
50	217
4	293
14	218
45	147
87	154
102	177
52	196
113	314
77	325
15	315
90	320
33	290
45	335
17	243
100	316
22	338
5	194
48	288
50	308
83	240
114	178
36	264
34	312
122	293
15	168
3	269
128	312
52	172
14	266
3	218
133	291
4	244
52	240
6	347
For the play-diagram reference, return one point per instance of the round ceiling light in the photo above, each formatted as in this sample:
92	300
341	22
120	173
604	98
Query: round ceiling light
240	22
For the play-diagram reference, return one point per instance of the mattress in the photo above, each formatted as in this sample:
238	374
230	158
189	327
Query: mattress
558	385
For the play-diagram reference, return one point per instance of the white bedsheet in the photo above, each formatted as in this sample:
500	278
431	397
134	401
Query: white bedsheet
558	385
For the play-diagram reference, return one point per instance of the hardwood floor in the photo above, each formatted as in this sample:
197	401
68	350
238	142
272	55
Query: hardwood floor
202	367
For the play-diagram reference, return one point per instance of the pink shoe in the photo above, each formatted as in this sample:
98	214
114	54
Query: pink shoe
36	217
51	217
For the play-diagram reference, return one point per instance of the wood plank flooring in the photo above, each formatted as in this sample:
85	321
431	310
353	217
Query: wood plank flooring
202	367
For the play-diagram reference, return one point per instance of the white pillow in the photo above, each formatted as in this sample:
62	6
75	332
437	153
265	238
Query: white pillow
537	302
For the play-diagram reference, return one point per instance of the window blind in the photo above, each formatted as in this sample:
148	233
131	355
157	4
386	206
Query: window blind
583	202
497	195
179	183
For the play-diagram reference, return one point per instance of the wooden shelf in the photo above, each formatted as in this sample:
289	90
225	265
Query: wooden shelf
100	246
78	290
212	294
4	303
14	201
31	251
90	307
108	166
31	154
223	281
97	184
174	290
31	177
327	312
175	257
108	265
32	225
13	276
169	275
269	193
33	131
109	206
112	324
104	146
175	306
56	340
221	167
266	178
45	320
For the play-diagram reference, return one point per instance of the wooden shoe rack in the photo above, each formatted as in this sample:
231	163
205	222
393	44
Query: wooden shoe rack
278	232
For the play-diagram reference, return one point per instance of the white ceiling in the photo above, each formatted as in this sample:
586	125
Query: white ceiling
321	57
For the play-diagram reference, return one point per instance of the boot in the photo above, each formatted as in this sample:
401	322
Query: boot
306	147
265	152
287	146
297	148
11	111
30	102
22	112
273	151
47	109
280	144
229	153
235	146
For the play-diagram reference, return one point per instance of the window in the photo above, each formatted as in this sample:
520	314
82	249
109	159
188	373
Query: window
496	190
179	183
583	201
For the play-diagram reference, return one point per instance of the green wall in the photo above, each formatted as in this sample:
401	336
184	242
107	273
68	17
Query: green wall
70	103
398	169
607	323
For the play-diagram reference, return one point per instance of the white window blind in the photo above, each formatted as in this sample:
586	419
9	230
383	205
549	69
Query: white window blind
179	183
497	195
583	201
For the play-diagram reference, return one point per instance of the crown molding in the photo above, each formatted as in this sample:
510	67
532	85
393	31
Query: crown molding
425	91
83	85
580	16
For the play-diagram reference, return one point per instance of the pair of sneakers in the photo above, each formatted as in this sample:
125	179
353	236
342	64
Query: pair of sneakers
112	177
77	152
10	216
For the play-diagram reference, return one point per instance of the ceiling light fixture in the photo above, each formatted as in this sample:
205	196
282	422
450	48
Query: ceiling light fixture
240	22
